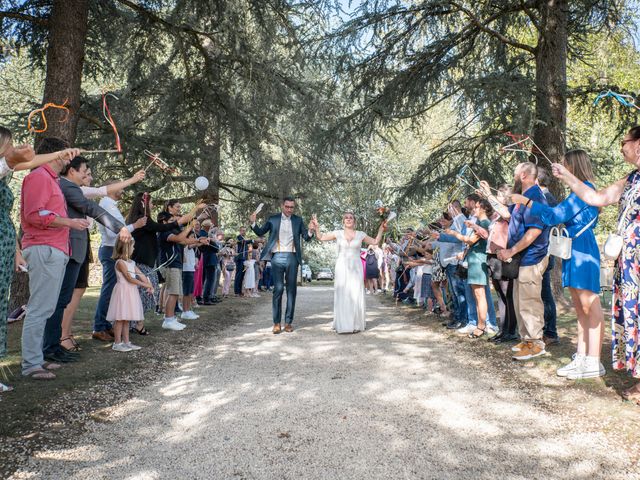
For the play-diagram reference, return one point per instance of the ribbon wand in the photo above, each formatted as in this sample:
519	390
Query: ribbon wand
88	152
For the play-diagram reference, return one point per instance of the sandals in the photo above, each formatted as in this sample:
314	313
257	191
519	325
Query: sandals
51	366
142	331
40	374
475	333
74	348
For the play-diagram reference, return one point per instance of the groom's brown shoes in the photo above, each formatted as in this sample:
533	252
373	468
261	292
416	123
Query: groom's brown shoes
288	328
277	328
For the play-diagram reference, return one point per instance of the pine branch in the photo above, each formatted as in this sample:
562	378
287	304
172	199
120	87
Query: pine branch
165	23
25	18
483	26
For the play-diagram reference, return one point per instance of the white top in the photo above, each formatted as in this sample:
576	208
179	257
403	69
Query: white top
4	168
94	192
108	237
285	236
189	261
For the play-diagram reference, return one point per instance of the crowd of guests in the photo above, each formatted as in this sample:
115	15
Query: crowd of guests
168	265
496	238
499	238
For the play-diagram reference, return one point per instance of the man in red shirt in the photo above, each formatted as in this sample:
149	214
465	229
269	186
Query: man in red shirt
43	215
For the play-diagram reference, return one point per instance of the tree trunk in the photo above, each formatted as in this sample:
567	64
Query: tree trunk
65	58
210	168
551	95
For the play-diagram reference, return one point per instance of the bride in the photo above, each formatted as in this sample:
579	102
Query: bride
348	295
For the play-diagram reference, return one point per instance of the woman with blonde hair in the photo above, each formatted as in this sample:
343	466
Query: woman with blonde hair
581	272
348	299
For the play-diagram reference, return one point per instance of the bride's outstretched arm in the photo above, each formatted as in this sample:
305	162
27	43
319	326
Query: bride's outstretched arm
325	237
314	226
376	241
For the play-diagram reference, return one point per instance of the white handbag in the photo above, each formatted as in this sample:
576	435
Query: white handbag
613	244
560	243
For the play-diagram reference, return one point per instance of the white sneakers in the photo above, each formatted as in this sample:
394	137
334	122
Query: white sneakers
466	329
582	367
125	347
368	292
172	323
189	315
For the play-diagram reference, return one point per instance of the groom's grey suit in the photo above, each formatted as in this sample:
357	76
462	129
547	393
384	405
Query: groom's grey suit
284	264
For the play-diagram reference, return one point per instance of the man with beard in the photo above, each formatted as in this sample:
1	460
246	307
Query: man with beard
529	239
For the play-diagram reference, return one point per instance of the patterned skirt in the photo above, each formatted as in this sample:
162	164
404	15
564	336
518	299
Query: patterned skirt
624	321
149	300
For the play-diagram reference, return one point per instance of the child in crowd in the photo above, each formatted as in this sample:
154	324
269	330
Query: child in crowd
228	266
188	281
125	305
426	291
249	279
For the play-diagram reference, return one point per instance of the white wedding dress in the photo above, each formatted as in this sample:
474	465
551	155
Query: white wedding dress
348	296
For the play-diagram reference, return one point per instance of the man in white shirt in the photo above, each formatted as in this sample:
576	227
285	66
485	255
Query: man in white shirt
284	250
102	328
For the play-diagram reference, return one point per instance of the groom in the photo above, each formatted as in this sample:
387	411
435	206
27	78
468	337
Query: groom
283	249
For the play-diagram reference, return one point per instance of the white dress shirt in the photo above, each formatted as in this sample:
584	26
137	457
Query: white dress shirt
94	192
285	236
108	237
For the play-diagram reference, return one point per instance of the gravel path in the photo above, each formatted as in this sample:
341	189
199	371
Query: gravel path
397	401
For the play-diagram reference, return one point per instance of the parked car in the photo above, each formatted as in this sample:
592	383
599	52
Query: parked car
306	273
324	274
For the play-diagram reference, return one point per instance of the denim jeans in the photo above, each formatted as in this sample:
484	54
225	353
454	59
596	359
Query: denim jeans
53	328
550	315
266	278
472	311
209	282
458	294
100	323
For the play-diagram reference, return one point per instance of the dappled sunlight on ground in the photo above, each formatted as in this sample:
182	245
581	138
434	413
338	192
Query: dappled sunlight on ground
394	401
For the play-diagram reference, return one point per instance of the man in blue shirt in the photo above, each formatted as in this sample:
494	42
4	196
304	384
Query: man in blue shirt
550	332
529	237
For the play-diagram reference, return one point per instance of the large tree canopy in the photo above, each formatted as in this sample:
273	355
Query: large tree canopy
300	97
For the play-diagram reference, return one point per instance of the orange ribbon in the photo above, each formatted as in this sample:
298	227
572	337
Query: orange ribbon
107	115
44	117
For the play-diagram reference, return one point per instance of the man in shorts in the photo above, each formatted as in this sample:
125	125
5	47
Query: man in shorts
172	245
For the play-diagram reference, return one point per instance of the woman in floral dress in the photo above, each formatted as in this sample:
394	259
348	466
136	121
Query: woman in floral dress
625	318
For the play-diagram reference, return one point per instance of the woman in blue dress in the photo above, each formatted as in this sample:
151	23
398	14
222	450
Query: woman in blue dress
625	321
581	272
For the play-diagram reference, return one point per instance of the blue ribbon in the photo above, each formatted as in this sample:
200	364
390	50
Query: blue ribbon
619	97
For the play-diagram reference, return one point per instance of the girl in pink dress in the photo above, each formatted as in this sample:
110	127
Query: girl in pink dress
125	305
